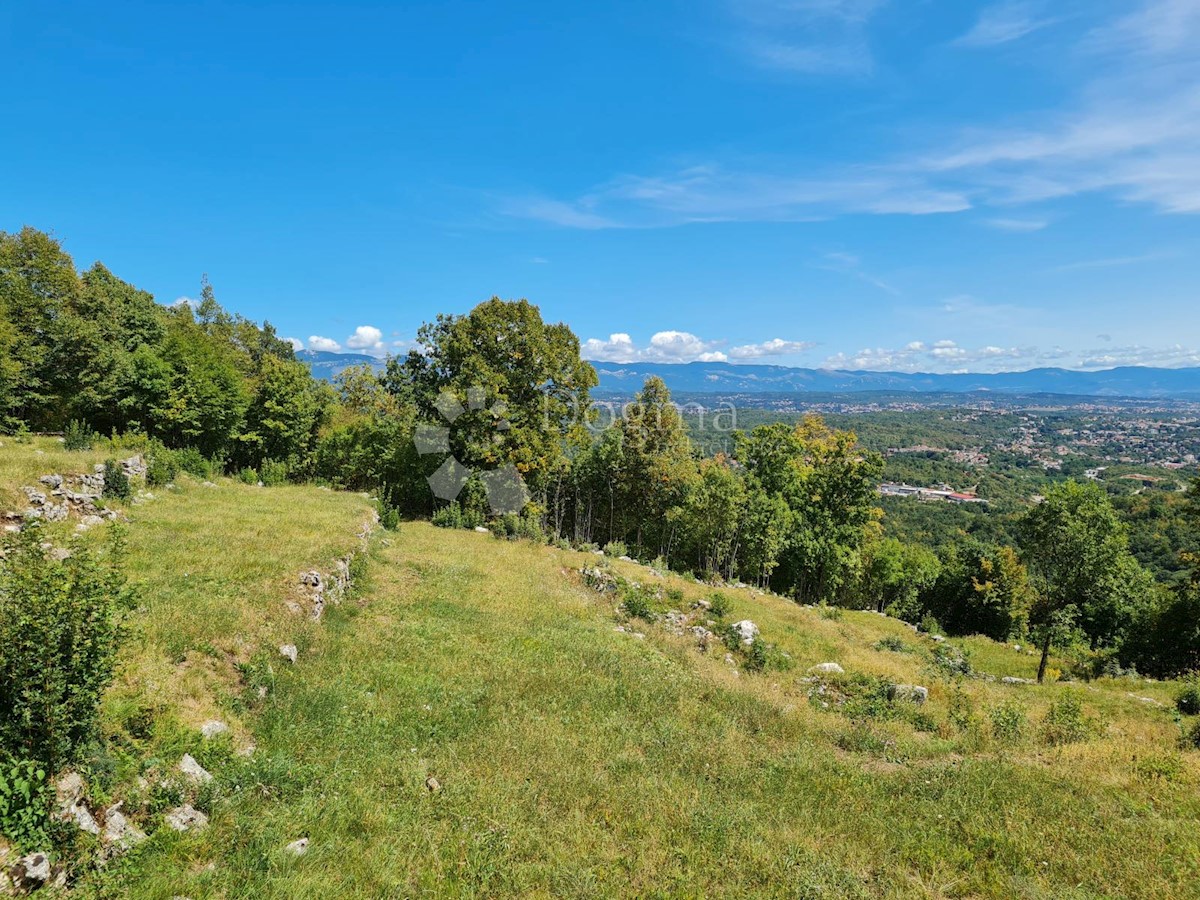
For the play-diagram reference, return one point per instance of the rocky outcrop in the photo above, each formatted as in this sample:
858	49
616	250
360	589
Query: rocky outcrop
185	818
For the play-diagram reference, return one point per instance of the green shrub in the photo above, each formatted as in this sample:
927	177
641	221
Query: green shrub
616	548
24	804
1065	722
719	605
930	625
162	465
832	613
756	656
192	461
893	643
636	603
1187	701
60	629
389	512
1008	722
273	472
962	710
78	436
1191	739
116	482
449	516
248	476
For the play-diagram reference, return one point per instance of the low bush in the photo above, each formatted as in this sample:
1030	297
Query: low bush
162	465
1191	738
637	603
893	644
719	605
1008	722
616	548
389	511
116	482
60	629
273	472
78	436
248	476
449	516
929	625
1065	722
1187	701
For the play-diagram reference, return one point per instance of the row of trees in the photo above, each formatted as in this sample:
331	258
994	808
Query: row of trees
791	507
94	348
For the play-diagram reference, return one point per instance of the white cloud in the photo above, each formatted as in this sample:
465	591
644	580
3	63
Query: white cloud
664	346
1003	23
1017	225
938	356
368	339
773	347
296	343
186	301
329	345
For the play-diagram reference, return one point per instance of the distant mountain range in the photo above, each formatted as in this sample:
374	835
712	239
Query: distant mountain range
726	378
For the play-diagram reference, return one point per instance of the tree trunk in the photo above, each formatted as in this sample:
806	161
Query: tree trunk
1045	658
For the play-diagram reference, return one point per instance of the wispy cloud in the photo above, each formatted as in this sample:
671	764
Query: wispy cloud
1111	262
1016	225
811	37
1132	131
1004	23
711	193
849	264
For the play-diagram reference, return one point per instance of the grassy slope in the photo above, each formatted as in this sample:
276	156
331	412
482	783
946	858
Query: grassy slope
575	760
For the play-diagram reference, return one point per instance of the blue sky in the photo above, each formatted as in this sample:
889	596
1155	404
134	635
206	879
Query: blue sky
882	184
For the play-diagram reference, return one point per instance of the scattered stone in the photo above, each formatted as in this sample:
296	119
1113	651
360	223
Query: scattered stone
52	481
911	693
827	668
746	630
297	847
185	818
212	728
702	604
89	522
481	529
31	872
193	770
68	797
432	784
1012	679
288	652
34	496
118	832
936	638
625	558
207	484
674	622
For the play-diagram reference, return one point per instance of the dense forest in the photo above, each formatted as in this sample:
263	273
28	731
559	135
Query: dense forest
789	506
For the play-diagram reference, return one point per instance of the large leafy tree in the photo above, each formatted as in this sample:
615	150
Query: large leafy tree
520	382
1087	583
829	485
